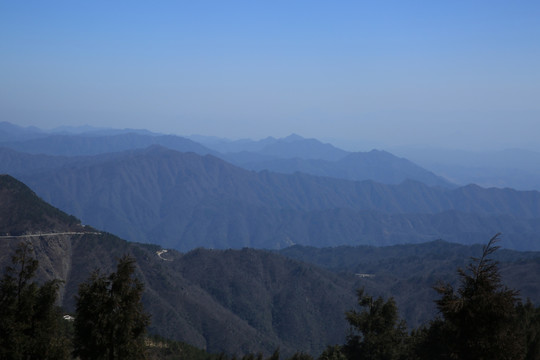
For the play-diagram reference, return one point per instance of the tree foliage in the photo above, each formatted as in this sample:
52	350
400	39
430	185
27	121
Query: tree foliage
110	321
377	330
333	352
30	322
479	320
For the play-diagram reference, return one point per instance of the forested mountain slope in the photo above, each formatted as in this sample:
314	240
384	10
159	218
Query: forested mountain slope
409	272
232	301
184	200
247	300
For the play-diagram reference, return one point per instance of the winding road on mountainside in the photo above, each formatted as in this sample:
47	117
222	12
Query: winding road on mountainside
159	253
48	234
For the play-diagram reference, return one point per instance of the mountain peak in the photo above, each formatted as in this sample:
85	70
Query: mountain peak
10	132
293	137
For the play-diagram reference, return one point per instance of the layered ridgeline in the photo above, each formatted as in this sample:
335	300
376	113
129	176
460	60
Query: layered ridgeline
288	155
514	168
310	156
34	141
184	200
240	301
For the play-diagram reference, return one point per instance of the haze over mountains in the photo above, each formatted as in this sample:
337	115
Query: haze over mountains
177	193
263	161
184	201
514	168
327	215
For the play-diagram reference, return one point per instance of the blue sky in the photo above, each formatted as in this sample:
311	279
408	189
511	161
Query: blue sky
463	74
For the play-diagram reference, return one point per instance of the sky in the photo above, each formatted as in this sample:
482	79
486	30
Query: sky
453	74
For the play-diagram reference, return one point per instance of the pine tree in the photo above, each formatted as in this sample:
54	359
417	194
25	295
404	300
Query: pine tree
110	321
378	332
479	320
529	319
30	322
332	352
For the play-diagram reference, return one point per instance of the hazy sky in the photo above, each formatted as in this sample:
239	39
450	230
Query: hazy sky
448	73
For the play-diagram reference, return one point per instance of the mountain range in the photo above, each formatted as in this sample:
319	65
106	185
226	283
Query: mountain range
288	155
238	301
183	200
512	168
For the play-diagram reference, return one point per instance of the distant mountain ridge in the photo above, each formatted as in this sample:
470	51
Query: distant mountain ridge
514	168
288	155
11	132
184	200
292	146
297	154
299	147
379	166
92	144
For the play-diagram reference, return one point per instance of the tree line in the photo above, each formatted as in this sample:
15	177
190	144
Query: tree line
480	319
109	322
